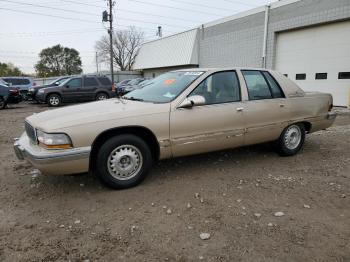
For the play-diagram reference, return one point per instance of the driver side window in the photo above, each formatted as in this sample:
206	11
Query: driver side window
75	82
221	87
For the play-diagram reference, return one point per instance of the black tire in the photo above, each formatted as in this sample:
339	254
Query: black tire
3	103
289	145
54	100
101	96
128	145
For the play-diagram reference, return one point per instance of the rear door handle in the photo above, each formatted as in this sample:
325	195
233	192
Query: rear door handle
239	109
282	105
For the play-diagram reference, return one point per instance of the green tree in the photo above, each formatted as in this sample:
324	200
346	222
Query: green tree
58	60
8	69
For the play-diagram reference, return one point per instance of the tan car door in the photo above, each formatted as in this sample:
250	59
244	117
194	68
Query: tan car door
266	113
216	125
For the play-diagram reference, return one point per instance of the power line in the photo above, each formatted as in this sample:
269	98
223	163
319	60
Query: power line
202	5
54	16
173	7
48	7
131	11
87	13
239	2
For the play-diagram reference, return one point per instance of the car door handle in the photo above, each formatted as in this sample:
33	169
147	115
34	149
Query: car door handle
282	105
239	109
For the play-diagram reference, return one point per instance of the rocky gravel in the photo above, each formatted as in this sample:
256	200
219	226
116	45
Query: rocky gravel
244	204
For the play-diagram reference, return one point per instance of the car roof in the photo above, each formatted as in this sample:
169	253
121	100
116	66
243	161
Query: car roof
18	77
196	69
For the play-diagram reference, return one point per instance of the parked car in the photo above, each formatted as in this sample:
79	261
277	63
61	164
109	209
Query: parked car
34	90
181	113
131	85
22	83
123	82
8	95
77	89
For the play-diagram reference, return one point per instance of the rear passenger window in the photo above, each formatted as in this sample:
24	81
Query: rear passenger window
257	85
105	81
221	87
275	88
90	81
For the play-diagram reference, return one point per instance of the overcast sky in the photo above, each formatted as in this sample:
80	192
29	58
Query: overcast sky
26	28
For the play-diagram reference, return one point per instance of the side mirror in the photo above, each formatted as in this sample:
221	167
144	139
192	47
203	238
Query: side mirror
57	83
67	86
191	101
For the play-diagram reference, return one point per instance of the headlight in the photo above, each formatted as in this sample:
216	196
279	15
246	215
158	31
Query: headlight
53	141
41	91
31	89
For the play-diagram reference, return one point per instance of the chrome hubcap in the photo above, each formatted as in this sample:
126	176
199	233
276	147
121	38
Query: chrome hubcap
54	100
101	97
292	137
124	162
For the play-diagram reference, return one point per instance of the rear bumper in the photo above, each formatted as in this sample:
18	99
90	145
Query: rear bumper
323	122
331	115
14	99
53	162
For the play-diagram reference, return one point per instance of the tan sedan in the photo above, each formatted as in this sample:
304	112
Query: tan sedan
179	113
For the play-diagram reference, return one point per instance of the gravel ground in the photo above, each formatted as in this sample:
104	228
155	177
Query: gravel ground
222	206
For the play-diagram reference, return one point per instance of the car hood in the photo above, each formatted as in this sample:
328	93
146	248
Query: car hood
83	114
43	86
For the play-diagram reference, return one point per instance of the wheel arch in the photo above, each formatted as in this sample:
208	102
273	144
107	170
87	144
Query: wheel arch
307	126
140	131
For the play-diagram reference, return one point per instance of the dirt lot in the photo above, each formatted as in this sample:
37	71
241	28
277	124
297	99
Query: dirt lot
232	195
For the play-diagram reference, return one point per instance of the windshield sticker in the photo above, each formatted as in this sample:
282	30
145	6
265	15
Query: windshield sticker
169	95
168	82
194	73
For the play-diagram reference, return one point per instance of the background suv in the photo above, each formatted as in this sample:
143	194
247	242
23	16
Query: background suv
34	90
77	89
22	83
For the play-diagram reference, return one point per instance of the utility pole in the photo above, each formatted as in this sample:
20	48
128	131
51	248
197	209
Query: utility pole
108	17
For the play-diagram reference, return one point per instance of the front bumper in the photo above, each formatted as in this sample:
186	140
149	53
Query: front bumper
53	162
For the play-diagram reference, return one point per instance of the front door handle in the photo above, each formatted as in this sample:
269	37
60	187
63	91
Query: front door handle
282	105
239	109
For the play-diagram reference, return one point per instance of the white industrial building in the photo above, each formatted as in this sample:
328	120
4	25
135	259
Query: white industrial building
307	40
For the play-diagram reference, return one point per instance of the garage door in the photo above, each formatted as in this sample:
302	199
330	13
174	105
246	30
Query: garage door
317	59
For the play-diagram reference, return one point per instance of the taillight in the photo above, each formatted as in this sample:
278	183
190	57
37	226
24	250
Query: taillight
13	91
34	84
113	87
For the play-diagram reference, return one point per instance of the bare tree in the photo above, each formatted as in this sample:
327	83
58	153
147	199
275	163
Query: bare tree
126	44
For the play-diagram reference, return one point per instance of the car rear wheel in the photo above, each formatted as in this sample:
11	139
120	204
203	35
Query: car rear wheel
2	103
101	96
123	161
291	140
54	100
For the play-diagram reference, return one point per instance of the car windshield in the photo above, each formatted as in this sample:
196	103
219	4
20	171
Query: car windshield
134	81
165	87
58	81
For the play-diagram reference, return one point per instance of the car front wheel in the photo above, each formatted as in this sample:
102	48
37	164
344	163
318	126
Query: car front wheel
101	96
123	161
54	100
291	140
